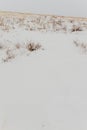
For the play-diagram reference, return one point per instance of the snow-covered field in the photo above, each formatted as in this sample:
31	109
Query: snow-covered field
44	88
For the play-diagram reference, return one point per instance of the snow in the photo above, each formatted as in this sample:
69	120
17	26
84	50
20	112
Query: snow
46	88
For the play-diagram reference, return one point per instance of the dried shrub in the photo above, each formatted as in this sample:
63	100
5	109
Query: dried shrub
76	28
64	28
31	29
32	46
1	46
76	43
59	22
9	56
6	28
1	22
71	21
18	46
81	45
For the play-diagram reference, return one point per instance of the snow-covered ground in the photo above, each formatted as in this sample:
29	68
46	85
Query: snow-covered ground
45	89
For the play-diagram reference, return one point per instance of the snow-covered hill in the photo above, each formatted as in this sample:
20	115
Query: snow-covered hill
43	73
36	22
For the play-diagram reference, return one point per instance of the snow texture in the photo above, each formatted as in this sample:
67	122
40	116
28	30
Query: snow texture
44	89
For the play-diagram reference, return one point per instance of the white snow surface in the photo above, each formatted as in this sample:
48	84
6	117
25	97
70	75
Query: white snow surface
45	89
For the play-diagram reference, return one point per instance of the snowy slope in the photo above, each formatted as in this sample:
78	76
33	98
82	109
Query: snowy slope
46	88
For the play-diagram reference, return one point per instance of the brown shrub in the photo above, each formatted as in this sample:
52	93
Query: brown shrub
1	21
1	46
81	45
18	46
9	56
32	46
76	43
76	28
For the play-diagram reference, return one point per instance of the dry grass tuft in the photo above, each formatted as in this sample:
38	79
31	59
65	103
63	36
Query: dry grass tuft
12	52
76	28
71	21
18	46
1	46
6	28
32	46
9	56
81	45
76	43
1	21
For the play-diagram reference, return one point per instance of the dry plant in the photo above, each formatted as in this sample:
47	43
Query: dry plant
12	52
18	46
64	28
76	28
1	21
71	21
59	22
1	46
81	45
76	42
31	46
6	28
9	56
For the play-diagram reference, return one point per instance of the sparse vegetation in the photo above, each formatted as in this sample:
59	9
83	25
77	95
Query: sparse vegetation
71	21
9	56
41	23
76	43
76	28
37	23
31	46
81	45
1	46
18	46
12	52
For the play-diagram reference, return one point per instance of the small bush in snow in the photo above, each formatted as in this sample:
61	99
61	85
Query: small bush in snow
81	45
71	21
18	46
1	46
76	28
76	42
32	46
9	56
